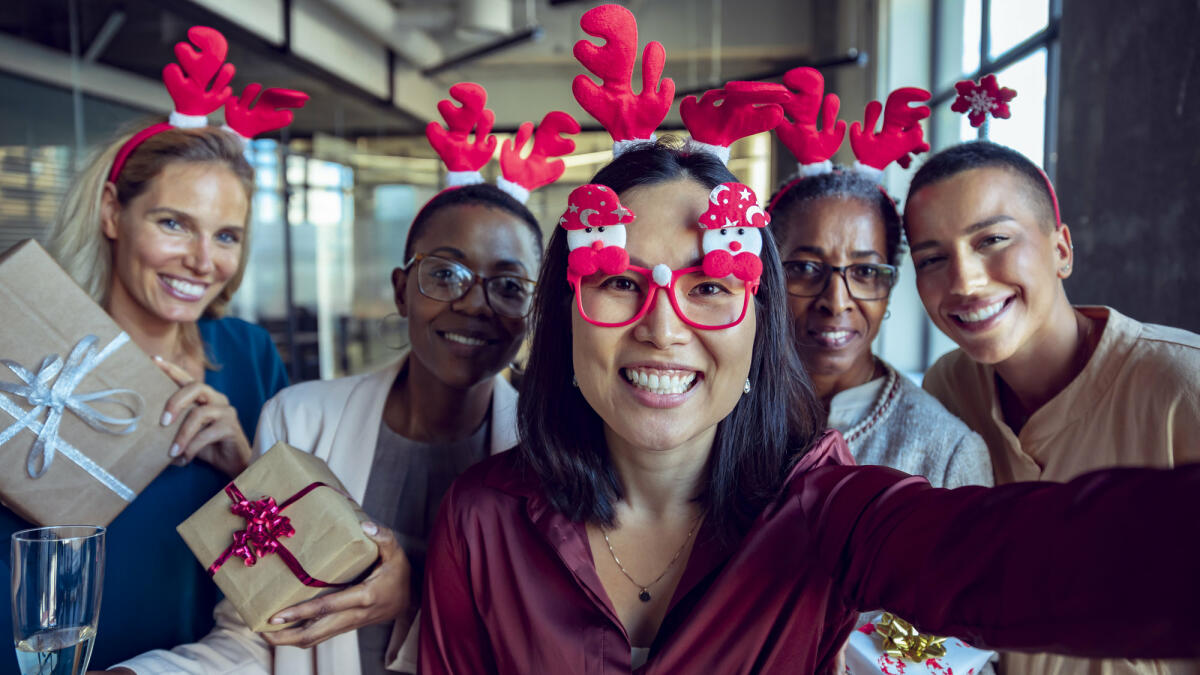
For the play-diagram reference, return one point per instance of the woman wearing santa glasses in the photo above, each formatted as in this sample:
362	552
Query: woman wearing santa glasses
674	505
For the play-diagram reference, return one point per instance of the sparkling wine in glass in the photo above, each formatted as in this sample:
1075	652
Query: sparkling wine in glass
57	575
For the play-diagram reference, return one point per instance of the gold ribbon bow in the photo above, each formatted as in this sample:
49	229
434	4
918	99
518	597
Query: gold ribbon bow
901	640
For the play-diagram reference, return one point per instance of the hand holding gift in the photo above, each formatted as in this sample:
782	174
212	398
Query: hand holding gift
210	430
381	597
78	399
283	532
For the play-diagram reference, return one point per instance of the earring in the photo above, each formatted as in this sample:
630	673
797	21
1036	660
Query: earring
887	314
1066	268
574	382
746	388
393	332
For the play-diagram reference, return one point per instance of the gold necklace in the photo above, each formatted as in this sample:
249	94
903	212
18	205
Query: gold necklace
644	595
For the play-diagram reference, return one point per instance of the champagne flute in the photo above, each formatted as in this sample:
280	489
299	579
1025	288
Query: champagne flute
57	575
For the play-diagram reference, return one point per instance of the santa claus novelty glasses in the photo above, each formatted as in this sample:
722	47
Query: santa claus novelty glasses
610	292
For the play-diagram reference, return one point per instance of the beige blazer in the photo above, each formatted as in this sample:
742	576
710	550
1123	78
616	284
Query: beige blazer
338	421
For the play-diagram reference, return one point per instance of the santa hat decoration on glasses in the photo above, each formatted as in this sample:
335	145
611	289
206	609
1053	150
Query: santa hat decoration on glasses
465	156
199	85
897	141
732	240
595	223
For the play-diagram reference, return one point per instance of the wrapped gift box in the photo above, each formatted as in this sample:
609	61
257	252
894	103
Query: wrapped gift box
866	653
284	521
79	420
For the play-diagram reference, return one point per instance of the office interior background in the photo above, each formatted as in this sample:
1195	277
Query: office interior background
1108	102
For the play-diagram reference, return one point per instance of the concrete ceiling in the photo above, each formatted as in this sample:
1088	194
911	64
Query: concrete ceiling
707	42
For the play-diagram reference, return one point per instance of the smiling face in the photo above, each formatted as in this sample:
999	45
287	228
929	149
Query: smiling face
465	342
988	267
659	383
177	244
833	330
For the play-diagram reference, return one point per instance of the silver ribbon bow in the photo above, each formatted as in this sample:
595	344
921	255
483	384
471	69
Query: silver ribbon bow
46	393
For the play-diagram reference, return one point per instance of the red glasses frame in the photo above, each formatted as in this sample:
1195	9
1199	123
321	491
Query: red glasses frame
652	297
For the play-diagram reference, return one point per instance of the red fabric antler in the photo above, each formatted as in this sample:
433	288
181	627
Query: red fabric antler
201	63
808	144
452	142
626	116
538	169
249	118
901	133
741	109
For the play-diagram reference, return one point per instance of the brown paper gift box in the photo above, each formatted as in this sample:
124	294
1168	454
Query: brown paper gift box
328	542
45	313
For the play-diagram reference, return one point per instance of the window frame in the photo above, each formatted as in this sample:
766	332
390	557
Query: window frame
1047	38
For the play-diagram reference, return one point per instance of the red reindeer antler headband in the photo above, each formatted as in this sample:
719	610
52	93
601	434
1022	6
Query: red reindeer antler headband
199	85
900	137
630	118
465	156
739	109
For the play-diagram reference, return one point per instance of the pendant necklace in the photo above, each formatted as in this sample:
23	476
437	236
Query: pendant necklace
644	595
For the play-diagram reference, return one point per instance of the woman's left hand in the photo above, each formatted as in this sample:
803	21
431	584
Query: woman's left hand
382	596
211	430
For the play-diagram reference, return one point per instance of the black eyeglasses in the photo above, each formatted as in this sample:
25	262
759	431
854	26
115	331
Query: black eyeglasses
446	280
865	281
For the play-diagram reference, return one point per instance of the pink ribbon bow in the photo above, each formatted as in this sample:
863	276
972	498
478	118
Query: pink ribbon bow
264	528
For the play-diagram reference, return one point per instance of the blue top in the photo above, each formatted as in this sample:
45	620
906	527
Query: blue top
156	594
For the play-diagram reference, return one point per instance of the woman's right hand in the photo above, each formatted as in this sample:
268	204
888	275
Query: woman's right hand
210	430
382	597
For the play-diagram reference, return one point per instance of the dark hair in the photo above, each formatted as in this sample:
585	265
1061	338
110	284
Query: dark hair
798	191
986	154
562	438
481	194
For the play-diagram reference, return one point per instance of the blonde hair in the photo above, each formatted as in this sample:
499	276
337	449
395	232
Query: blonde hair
77	239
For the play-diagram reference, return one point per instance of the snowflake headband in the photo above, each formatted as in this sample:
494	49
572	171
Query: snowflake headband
715	120
199	85
900	137
979	100
732	225
465	157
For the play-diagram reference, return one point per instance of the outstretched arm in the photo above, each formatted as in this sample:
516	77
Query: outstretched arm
1103	566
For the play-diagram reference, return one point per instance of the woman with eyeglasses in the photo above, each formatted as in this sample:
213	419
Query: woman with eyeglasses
398	437
839	237
674	506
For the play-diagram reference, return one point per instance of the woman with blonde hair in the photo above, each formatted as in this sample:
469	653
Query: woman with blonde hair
156	230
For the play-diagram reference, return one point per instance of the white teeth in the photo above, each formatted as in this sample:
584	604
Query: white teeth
835	335
659	382
185	287
465	340
982	314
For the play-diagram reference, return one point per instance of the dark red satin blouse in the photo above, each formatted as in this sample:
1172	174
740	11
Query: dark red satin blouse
1090	567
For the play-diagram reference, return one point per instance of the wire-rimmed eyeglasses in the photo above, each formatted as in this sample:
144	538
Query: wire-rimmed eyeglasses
865	281
439	278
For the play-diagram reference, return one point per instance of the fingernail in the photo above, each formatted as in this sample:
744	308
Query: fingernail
166	419
370	528
278	620
175	450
